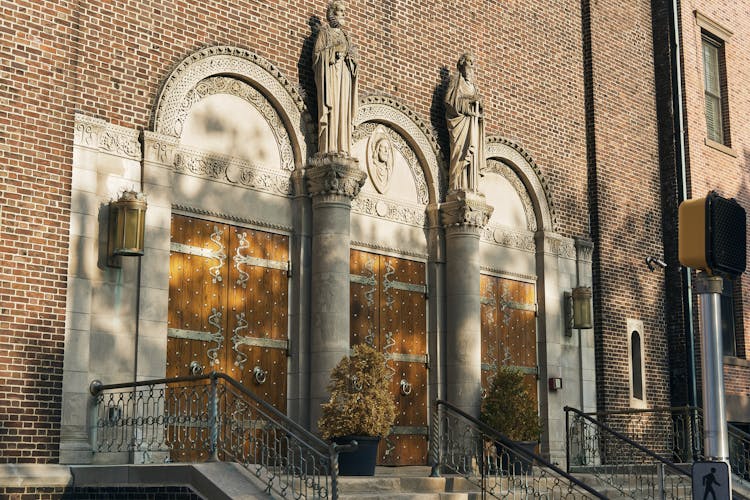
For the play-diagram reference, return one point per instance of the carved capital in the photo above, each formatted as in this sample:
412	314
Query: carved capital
159	148
584	249
334	174
465	209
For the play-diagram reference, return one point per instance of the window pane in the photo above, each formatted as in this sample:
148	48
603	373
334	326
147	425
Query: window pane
635	363
711	67
727	321
714	127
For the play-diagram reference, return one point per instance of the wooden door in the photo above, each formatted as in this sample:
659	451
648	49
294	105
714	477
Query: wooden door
228	308
388	311
509	329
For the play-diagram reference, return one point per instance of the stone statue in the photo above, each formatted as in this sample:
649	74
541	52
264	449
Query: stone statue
335	66
465	118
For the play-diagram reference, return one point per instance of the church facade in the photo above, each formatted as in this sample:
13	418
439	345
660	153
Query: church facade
272	245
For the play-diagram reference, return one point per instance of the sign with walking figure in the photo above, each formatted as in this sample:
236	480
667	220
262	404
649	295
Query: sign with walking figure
711	481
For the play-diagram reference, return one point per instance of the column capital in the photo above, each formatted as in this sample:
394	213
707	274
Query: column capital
466	210
334	174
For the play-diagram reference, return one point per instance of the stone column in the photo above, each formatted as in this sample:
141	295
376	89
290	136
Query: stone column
464	215
333	180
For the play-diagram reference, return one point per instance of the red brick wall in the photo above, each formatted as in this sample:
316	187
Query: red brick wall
626	195
37	88
711	169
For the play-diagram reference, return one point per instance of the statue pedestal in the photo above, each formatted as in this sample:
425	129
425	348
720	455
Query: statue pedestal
333	180
464	215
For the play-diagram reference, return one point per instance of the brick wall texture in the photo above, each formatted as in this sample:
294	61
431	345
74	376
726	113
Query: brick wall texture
572	82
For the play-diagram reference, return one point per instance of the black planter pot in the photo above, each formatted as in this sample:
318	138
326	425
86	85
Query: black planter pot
516	463
360	462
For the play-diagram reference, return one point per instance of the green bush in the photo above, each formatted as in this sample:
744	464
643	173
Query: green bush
509	408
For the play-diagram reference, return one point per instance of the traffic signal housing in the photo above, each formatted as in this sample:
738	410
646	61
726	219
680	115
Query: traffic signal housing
712	235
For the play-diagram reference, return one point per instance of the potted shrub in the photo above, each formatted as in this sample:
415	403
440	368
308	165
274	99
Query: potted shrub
360	408
511	410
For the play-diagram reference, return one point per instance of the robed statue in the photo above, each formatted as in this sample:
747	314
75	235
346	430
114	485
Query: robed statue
335	67
464	115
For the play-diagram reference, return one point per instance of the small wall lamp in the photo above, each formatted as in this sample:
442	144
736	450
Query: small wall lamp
578	309
127	223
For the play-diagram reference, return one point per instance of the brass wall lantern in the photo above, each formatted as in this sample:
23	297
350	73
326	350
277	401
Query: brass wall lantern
127	224
578	309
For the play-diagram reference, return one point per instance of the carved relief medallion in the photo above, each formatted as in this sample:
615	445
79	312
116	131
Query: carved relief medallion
380	159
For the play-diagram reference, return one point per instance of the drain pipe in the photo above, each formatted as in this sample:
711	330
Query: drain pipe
679	121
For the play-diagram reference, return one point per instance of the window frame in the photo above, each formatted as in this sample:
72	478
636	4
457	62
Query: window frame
716	35
635	326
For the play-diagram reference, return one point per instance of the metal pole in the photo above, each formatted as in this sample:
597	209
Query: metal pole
714	415
213	421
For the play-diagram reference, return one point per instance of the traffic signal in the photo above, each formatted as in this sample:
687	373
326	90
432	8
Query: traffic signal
712	235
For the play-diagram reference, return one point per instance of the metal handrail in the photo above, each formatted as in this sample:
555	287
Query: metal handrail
621	462
629	441
276	449
492	480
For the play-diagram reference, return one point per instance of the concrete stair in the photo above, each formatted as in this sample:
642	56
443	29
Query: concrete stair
405	483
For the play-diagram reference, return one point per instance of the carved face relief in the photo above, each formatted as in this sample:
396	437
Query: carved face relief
380	159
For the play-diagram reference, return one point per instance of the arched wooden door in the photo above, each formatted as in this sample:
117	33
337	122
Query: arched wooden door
388	311
509	329
228	305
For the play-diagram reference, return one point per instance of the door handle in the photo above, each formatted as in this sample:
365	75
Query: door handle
260	375
405	387
195	368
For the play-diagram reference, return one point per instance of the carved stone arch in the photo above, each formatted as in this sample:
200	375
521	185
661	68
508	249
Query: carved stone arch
387	110
524	165
172	106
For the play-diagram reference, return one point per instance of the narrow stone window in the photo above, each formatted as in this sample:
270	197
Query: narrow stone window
715	88
635	363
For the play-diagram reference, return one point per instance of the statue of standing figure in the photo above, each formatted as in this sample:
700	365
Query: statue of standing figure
464	115
335	67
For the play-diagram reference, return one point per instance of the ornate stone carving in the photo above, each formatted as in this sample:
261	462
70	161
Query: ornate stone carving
498	167
380	159
335	174
513	154
385	109
584	249
465	209
554	244
229	217
509	238
413	215
225	85
464	116
504	273
218	60
378	248
159	148
231	170
368	130
96	133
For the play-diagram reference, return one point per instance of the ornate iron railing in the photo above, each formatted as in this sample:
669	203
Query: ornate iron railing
674	432
460	444
739	452
616	460
214	417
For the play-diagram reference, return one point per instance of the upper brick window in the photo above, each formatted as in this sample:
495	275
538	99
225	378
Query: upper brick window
714	37
715	88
